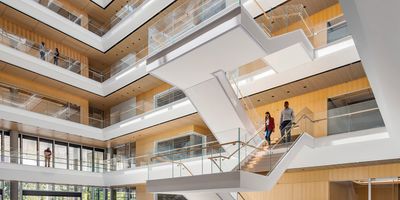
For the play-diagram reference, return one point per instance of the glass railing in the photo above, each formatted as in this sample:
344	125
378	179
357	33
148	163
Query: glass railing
84	21
335	30
246	102
175	25
248	152
253	153
291	17
31	48
127	10
139	111
26	100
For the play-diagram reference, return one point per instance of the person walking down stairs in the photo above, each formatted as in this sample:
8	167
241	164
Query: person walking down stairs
269	127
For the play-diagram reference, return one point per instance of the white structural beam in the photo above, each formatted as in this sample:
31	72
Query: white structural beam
374	26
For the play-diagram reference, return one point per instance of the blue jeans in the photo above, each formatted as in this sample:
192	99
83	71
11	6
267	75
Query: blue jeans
268	136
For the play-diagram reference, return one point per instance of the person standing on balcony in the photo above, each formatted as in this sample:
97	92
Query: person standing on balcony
287	117
55	56
269	127
47	157
42	51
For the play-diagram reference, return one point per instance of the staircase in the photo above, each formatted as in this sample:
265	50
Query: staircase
264	160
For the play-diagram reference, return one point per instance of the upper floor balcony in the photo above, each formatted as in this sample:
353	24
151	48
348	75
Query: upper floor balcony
27	107
324	27
100	35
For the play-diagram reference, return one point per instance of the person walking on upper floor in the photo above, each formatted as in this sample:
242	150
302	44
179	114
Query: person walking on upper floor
286	121
55	56
42	50
47	157
269	127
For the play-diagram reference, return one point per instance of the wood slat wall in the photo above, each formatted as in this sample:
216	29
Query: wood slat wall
316	22
50	44
315	184
316	102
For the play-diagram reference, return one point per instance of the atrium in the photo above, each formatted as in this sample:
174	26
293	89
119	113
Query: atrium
199	100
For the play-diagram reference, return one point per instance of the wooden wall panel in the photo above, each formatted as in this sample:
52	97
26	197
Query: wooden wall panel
298	191
316	22
340	191
315	101
345	174
317	184
142	194
50	44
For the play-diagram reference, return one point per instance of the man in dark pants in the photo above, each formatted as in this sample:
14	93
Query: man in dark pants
287	117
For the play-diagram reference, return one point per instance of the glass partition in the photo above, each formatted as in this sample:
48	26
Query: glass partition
74	153
29	150
40	51
322	24
45	144
177	24
61	155
23	99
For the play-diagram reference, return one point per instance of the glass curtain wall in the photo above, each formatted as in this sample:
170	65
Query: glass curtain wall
29	150
120	153
60	155
87	159
180	142
63	155
43	145
74	157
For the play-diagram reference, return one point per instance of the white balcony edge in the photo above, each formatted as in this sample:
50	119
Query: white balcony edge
111	38
160	115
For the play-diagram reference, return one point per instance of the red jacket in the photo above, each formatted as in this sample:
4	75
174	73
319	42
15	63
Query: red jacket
271	125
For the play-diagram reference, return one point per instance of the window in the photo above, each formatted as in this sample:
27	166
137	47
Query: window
87	159
176	144
99	160
74	157
352	112
60	155
43	145
169	197
168	97
29	150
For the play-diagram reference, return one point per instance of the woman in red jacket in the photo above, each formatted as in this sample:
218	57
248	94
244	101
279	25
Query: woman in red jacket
269	127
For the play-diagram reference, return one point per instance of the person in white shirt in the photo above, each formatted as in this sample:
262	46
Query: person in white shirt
286	121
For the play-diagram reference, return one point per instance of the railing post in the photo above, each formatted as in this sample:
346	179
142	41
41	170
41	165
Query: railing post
239	143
